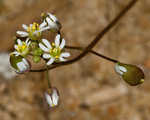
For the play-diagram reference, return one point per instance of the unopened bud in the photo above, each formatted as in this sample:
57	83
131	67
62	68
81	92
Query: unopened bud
52	21
19	63
52	97
131	74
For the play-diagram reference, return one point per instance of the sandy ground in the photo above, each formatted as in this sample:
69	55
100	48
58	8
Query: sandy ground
89	89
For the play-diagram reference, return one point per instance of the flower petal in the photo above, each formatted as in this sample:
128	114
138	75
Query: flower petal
51	24
65	54
22	33
43	24
52	17
44	29
27	41
62	44
15	46
21	66
50	61
46	42
19	42
62	59
25	62
57	40
55	97
48	99
24	26
46	56
43	47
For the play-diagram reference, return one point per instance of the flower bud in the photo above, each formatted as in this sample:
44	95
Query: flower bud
19	63
131	74
52	21
52	97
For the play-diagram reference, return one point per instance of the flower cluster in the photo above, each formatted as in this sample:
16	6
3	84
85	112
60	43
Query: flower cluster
31	42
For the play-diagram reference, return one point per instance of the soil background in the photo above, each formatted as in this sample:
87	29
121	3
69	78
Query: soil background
89	89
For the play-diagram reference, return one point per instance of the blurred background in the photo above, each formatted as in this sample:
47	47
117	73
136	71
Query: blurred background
89	89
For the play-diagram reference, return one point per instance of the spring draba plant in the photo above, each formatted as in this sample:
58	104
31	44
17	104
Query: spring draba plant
31	42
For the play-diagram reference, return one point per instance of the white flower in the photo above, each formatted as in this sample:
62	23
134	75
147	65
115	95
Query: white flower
19	63
52	22
33	31
54	51
22	48
52	97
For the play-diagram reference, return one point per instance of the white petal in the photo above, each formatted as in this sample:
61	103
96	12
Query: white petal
21	66
22	33
25	62
46	42
43	24
51	24
28	42
41	30
55	97
24	26
117	69
62	59
44	29
46	56
48	99
53	17
62	44
50	61
57	40
15	46
123	69
43	47
65	54
19	42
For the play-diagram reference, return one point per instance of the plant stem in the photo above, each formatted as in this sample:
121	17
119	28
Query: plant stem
93	52
47	77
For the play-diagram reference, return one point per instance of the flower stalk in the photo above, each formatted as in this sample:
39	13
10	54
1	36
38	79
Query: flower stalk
48	79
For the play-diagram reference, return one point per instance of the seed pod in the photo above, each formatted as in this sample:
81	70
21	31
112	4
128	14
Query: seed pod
131	74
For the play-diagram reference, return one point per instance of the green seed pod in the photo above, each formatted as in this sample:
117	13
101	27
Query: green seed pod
131	74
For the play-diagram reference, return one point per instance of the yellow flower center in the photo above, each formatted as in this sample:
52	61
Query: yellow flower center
55	51
31	29
23	49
